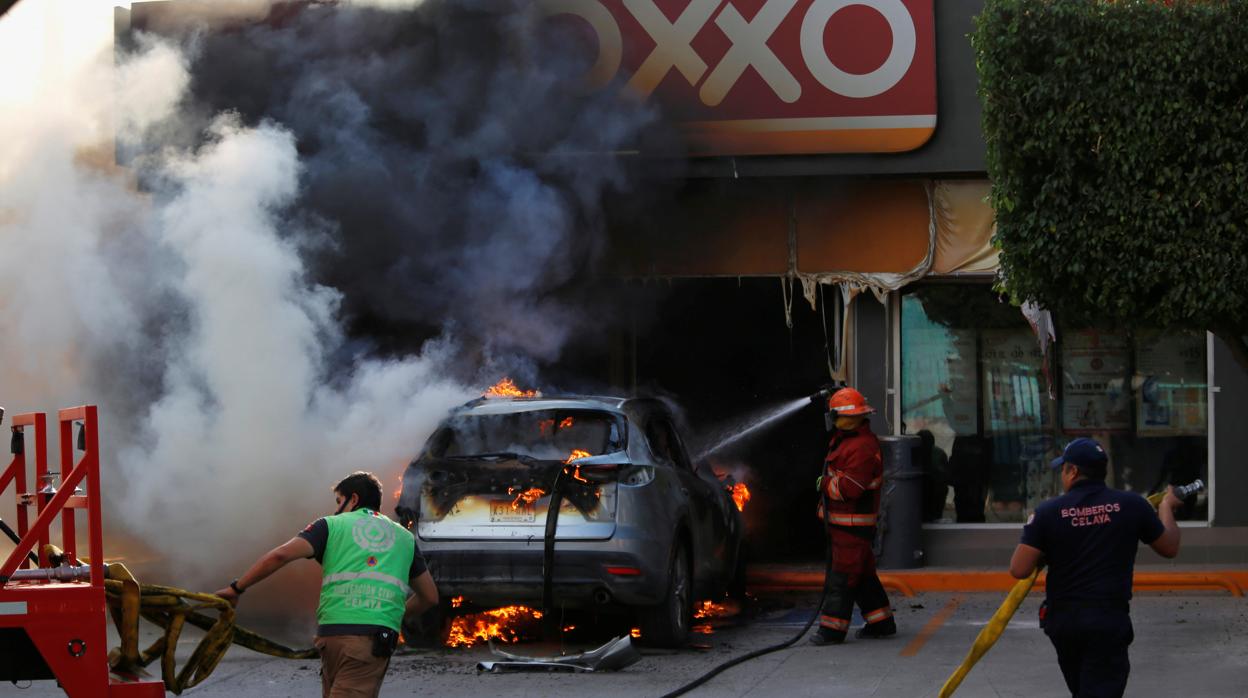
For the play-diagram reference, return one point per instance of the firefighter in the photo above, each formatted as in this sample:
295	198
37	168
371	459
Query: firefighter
369	564
1089	537
849	503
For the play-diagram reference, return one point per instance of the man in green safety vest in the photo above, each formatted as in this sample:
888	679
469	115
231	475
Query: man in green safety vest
373	581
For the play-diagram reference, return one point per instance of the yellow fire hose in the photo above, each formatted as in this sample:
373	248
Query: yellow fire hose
172	609
996	625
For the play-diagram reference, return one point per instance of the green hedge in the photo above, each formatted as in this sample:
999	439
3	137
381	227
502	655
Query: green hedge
1118	151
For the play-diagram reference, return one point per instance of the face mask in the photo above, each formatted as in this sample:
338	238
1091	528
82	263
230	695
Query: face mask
342	506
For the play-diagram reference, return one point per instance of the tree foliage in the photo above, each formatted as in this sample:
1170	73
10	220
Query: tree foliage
1117	140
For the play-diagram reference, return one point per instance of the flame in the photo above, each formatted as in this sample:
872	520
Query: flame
507	388
635	632
702	629
527	497
740	495
710	609
569	628
457	602
507	624
577	454
546	425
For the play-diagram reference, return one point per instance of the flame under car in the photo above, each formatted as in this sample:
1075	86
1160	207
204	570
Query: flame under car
637	526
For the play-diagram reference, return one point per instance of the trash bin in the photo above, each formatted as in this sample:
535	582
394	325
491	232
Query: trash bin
899	534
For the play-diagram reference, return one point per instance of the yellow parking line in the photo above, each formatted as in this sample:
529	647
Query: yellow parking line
930	629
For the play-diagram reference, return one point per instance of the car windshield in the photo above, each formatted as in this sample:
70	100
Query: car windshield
539	434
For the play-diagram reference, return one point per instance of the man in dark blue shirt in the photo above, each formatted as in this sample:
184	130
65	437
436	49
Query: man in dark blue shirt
1089	537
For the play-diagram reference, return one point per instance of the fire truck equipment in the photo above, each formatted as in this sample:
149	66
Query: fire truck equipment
996	625
52	606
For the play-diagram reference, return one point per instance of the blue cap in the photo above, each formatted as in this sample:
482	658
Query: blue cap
1083	452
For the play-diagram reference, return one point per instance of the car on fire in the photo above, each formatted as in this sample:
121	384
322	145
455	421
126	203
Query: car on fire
638	524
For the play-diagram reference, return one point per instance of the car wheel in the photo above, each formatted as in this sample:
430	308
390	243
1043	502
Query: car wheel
667	623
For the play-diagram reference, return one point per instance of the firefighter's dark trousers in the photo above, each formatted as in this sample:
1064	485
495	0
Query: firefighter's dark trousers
852	580
1091	643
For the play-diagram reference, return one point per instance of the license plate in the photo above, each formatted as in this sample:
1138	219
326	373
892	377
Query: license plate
506	512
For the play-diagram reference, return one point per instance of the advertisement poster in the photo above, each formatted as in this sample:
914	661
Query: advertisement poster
1013	385
1170	378
1094	394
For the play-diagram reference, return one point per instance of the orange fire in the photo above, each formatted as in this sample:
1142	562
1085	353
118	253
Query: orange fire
546	425
527	497
740	495
703	629
508	624
577	454
710	609
457	601
635	632
507	388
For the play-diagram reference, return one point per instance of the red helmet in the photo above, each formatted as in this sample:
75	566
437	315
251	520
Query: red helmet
848	402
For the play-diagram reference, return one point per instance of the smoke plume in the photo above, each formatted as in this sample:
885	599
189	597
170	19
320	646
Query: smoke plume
432	167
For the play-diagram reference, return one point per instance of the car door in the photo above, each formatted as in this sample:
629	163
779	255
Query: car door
699	494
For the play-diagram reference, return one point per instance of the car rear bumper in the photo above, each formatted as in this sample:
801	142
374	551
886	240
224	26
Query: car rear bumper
581	578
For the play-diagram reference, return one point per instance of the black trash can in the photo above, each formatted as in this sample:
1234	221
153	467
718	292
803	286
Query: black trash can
899	533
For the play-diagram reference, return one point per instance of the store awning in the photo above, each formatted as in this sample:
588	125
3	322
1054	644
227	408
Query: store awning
877	234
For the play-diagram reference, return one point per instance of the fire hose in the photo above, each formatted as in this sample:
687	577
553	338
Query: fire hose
996	625
171	609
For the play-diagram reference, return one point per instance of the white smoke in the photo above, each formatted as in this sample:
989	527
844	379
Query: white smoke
186	313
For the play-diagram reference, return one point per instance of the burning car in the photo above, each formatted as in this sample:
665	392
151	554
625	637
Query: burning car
634	523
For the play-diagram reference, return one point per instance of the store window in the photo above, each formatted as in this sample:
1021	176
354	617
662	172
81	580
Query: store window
992	411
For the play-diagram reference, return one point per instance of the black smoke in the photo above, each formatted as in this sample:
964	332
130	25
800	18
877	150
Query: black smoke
453	160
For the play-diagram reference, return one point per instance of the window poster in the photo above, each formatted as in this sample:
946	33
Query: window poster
1171	384
1094	372
1013	385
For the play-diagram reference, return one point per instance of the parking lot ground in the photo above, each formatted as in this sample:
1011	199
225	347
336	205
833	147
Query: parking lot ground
1192	644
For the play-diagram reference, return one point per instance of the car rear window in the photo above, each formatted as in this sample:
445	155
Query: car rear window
541	434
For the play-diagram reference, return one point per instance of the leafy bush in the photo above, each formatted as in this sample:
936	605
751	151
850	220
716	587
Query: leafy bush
1118	151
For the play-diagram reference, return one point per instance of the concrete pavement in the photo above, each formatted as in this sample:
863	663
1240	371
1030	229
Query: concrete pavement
1193	644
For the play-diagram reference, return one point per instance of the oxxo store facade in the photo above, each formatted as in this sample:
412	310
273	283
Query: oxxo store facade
838	194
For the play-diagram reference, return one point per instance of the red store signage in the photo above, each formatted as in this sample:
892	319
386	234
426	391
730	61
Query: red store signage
774	76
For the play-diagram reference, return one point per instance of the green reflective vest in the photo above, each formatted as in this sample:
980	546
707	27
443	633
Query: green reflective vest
365	566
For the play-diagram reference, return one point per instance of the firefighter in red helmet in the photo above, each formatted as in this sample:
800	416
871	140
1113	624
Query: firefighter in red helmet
849	503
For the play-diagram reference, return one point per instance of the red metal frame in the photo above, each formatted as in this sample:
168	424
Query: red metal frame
16	471
66	621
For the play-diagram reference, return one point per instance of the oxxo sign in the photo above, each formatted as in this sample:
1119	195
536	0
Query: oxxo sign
773	76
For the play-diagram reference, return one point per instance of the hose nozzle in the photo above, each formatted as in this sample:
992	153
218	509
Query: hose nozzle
1194	487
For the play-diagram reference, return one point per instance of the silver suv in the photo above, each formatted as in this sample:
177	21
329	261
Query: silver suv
637	524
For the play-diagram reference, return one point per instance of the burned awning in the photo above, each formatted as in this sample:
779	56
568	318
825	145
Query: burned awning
875	233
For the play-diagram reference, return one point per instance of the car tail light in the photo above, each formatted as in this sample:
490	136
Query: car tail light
624	571
637	475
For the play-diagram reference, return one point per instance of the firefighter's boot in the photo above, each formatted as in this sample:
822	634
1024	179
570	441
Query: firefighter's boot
823	637
878	630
